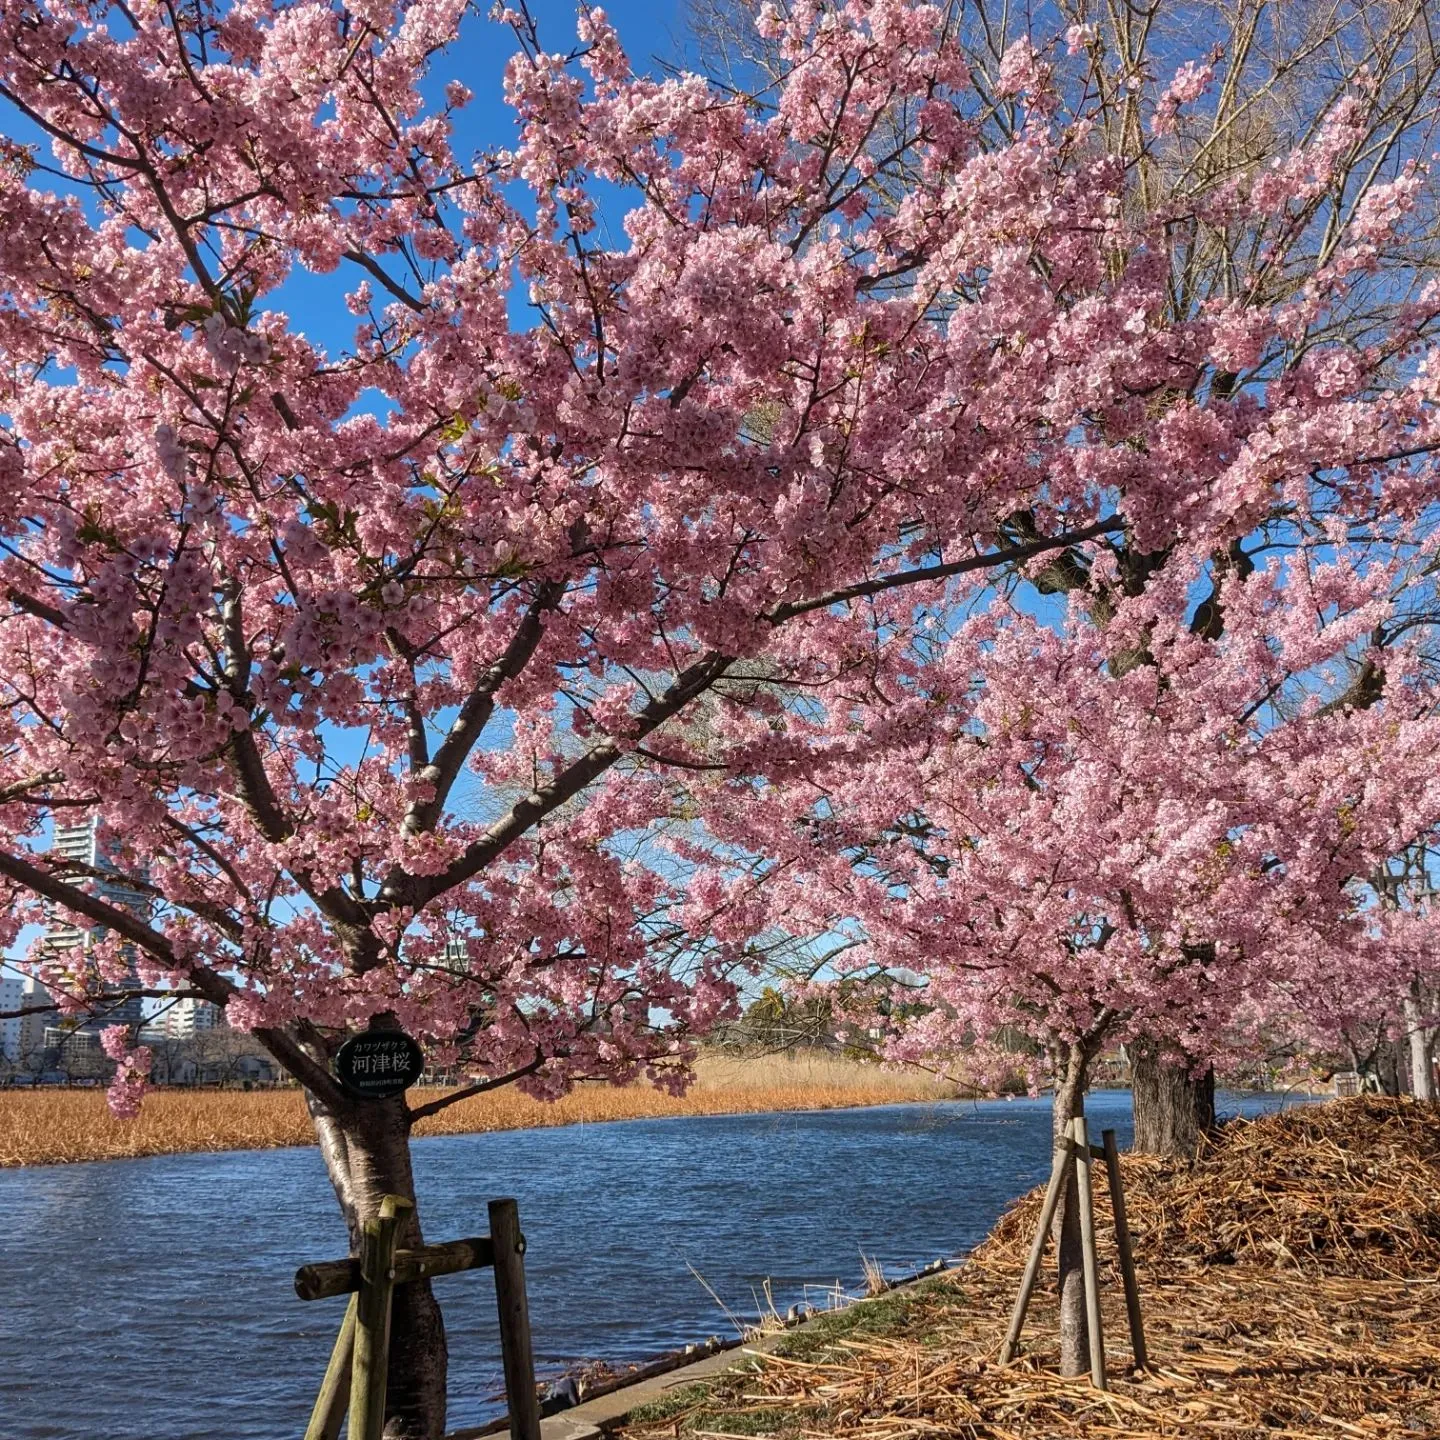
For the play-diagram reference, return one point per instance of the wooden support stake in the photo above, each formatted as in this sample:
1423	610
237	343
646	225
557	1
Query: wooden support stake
1059	1178
372	1320
338	1277
1127	1255
515	1349
329	1413
1090	1254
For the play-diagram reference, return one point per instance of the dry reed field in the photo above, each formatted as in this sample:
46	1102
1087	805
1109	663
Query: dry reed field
53	1126
1289	1288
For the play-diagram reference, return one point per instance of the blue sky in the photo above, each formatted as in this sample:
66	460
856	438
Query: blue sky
650	33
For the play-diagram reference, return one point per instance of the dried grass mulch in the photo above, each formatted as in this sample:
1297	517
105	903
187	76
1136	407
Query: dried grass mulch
1290	1282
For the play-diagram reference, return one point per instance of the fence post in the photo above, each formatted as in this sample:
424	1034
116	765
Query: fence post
1059	1178
329	1413
515	1348
1127	1255
372	1320
1090	1254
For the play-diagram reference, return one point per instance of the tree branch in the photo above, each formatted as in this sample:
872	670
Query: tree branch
25	1010
21	788
210	984
987	560
31	606
366	262
478	707
217	915
419	890
434	1107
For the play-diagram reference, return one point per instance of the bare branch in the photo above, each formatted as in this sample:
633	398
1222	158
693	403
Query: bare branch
987	560
434	1107
478	707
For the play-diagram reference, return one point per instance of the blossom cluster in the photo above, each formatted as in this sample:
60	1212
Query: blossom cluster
447	676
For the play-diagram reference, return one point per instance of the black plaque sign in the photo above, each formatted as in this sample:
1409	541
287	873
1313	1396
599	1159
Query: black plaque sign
379	1063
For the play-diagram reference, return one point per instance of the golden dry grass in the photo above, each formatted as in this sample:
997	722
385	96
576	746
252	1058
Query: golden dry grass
52	1126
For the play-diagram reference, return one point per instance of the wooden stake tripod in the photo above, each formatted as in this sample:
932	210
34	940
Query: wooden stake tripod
1074	1149
355	1377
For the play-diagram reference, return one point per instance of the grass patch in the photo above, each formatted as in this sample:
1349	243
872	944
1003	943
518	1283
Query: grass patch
895	1312
775	1420
676	1402
717	1407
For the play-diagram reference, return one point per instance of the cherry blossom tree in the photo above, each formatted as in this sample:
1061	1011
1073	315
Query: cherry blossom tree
1082	857
1367	1011
1158	814
399	674
1192	101
1409	963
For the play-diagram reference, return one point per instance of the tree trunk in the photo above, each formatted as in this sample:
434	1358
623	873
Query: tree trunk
366	1146
1422	1039
1389	1067
1069	1101
1173	1107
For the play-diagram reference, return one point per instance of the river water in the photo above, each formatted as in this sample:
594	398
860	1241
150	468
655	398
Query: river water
151	1299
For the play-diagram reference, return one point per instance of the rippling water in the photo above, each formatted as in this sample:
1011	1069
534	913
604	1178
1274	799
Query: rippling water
152	1300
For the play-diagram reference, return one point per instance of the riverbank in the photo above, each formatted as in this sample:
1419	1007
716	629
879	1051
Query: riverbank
53	1126
1289	1287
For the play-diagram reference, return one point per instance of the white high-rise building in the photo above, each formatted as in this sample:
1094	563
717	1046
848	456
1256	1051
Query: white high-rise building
12	997
83	843
187	1018
31	1034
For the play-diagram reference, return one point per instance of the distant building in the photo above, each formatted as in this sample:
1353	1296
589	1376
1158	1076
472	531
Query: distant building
84	844
185	1019
22	1037
31	1034
12	997
74	1053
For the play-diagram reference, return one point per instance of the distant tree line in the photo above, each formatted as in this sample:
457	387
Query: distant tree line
215	1058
